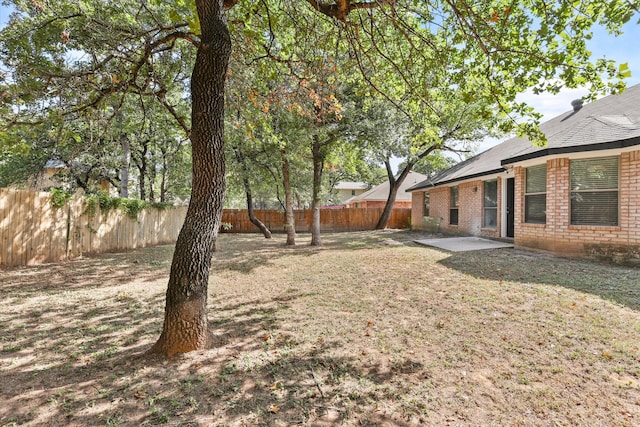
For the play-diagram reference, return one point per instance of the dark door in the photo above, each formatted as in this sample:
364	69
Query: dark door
510	206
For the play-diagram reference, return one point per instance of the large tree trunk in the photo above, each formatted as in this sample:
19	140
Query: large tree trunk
289	219
318	163
394	185
185	323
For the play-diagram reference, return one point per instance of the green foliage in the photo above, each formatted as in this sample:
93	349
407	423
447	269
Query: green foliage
107	203
392	80
131	207
91	205
59	198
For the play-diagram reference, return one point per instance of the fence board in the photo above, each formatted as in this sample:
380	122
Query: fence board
331	220
32	231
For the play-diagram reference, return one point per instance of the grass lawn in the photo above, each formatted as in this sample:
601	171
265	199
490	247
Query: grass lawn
370	329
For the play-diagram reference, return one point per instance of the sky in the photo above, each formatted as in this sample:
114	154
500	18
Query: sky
621	49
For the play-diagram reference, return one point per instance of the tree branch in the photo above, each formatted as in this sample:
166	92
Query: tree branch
341	8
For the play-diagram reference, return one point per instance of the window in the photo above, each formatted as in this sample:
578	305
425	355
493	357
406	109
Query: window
425	211
594	191
490	204
353	192
535	195
453	206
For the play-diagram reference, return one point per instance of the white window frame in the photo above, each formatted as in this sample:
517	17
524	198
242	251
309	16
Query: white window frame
485	208
454	205
529	194
577	193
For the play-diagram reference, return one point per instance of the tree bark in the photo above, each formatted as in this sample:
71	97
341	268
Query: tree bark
141	163
163	182
394	185
185	323
247	189
318	163
124	166
289	223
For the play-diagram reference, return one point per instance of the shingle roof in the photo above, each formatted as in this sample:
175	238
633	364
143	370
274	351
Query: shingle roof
381	192
350	185
610	122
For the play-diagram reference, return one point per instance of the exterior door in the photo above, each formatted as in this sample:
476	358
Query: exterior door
510	206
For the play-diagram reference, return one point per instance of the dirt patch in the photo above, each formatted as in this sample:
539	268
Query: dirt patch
369	329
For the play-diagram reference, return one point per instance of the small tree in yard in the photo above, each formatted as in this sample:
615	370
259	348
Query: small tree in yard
450	125
488	51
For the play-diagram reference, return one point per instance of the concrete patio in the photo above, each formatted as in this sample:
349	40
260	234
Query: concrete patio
463	244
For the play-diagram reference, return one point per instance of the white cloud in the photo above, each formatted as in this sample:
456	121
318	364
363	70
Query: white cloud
551	105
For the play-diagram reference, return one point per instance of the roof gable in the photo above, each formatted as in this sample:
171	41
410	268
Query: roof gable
381	192
610	122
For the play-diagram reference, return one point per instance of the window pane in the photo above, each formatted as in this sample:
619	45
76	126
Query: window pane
490	194
426	204
535	206
454	197
536	179
594	174
490	219
599	208
453	216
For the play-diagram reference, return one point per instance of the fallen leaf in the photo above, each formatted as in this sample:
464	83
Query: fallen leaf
274	409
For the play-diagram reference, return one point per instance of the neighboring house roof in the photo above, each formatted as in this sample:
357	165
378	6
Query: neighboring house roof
381	192
610	122
349	185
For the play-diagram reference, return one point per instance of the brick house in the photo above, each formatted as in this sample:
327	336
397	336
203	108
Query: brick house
377	196
578	196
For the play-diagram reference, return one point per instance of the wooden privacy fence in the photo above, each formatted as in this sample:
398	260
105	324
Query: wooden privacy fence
331	220
32	231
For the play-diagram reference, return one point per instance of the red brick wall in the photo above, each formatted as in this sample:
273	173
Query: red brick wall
621	243
470	209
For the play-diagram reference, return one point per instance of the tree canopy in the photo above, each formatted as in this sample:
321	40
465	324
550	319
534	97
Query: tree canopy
67	59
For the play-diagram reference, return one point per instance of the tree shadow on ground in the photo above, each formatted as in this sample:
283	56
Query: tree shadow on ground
97	353
97	271
99	374
611	282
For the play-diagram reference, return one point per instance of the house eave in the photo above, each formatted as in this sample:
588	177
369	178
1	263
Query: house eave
458	179
544	152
